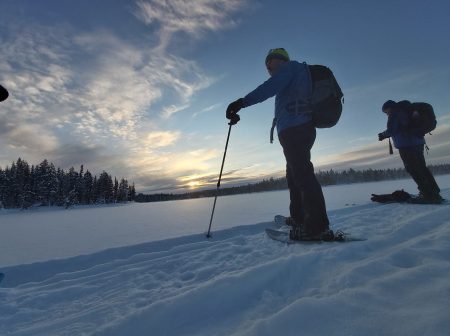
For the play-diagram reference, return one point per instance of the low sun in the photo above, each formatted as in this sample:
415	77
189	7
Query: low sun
193	184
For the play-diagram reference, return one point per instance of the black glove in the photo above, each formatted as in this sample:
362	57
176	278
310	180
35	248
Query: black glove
234	119
233	109
381	136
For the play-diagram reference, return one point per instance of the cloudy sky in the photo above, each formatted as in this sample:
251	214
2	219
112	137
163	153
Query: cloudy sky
139	87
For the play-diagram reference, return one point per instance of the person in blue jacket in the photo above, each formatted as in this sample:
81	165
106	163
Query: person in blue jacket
290	83
410	144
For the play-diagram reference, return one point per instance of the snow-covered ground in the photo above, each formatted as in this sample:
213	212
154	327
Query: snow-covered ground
44	234
237	283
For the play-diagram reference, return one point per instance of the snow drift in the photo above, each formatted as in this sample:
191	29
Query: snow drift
242	283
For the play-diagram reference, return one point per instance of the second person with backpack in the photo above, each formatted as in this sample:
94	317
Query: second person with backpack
407	124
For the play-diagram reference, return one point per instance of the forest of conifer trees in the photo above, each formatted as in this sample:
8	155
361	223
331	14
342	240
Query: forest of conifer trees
22	186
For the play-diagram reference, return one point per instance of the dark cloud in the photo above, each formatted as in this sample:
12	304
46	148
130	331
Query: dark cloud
5	125
377	156
75	154
155	184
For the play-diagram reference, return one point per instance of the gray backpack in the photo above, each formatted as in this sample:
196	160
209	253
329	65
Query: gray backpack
327	97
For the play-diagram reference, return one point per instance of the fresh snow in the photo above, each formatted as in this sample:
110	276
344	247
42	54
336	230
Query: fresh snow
43	234
239	282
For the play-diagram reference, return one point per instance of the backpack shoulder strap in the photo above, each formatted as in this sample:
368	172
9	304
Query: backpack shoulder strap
274	123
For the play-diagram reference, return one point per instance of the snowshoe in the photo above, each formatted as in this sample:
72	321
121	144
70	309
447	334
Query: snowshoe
423	199
281	221
283	236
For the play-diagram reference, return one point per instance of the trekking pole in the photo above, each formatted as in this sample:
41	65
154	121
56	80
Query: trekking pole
208	235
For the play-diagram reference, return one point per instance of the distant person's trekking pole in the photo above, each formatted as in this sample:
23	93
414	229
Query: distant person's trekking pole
231	123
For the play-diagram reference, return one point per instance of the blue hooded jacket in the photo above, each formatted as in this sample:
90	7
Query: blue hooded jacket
292	86
399	128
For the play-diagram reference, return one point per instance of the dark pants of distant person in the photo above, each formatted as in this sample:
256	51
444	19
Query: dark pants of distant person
307	205
415	165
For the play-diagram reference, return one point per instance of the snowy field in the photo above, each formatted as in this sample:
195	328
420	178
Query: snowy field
167	279
43	234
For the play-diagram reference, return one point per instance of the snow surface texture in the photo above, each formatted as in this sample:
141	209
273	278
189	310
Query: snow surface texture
242	283
55	233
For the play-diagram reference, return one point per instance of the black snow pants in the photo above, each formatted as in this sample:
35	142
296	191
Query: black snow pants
415	165
307	206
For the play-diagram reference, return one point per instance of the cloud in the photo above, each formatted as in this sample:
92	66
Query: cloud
118	88
161	139
376	155
165	170
128	80
399	84
94	98
202	180
25	138
98	83
207	109
190	18
93	157
444	119
170	18
160	170
172	109
364	91
36	78
110	94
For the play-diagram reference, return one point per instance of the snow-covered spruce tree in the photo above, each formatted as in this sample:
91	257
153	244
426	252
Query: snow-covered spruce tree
88	184
70	191
60	196
105	188
132	193
123	190
116	190
95	191
79	187
46	183
24	197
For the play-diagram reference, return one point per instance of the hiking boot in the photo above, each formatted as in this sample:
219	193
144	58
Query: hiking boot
435	198
328	235
297	232
300	233
290	221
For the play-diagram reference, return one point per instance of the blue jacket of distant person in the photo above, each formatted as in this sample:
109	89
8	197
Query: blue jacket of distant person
292	86
399	128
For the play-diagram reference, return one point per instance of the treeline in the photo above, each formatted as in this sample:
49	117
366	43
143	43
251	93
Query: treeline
22	186
325	178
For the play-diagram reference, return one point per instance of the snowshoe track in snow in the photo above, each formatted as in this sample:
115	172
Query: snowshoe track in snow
241	283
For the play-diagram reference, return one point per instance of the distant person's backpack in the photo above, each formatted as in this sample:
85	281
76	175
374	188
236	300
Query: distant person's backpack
398	196
326	99
427	119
